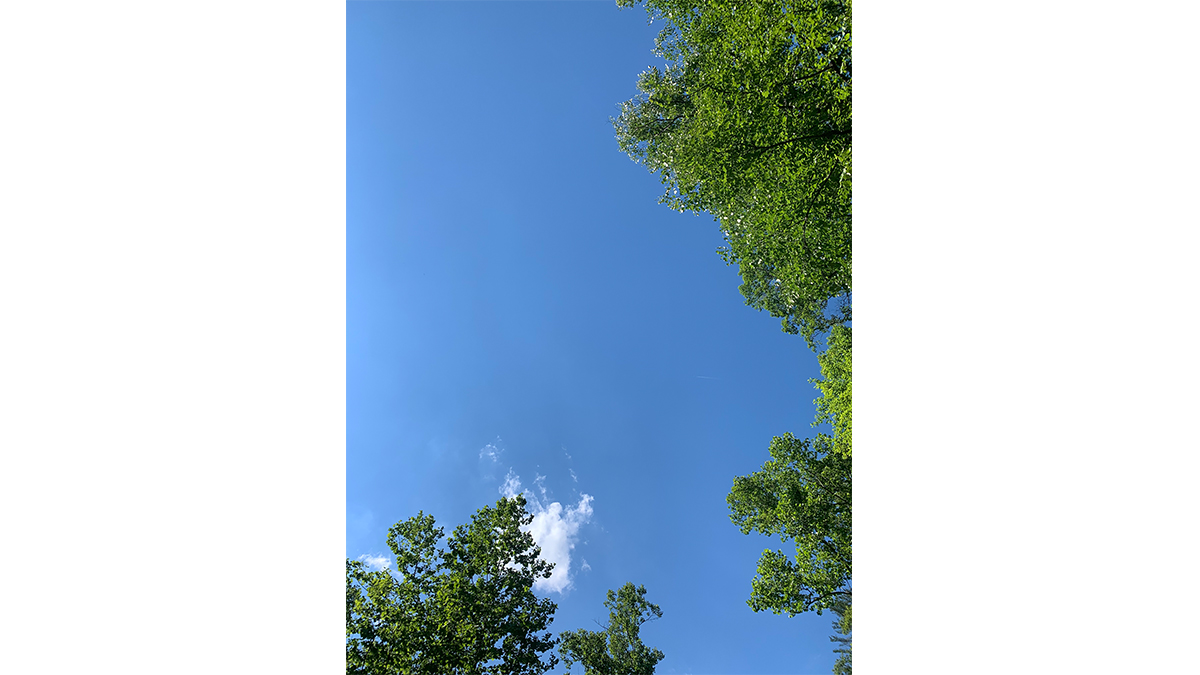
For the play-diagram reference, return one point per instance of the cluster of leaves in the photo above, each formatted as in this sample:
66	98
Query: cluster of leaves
834	404
751	122
841	624
618	649
802	494
463	609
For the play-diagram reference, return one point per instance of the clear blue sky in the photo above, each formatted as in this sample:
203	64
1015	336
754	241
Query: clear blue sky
519	302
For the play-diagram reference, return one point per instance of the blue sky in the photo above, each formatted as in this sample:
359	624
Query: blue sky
520	307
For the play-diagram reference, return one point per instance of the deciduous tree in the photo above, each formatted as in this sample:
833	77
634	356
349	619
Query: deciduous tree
834	405
750	121
803	494
841	624
465	608
618	649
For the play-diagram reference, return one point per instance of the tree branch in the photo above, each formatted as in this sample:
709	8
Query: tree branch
827	134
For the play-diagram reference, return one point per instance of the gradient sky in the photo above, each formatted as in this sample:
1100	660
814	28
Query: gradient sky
520	308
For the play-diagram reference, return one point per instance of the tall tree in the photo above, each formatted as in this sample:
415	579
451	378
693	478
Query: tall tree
618	649
751	122
841	624
834	404
463	609
803	494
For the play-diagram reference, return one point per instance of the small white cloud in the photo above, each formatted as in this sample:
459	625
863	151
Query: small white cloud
585	567
489	458
491	452
573	476
512	485
377	562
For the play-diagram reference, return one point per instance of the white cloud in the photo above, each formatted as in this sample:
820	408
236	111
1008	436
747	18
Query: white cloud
573	476
554	528
585	567
491	451
375	561
512	485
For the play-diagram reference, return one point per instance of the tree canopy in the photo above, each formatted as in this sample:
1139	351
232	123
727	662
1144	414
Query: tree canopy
463	609
834	404
802	494
618	649
751	122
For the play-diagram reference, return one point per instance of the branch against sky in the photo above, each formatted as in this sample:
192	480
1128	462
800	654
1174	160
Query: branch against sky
844	638
751	123
803	494
618	649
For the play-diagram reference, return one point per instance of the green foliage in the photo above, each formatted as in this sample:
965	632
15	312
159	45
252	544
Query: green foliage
834	405
841	609
618	649
465	609
751	122
802	494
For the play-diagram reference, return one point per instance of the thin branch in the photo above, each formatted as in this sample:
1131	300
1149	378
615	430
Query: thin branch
827	134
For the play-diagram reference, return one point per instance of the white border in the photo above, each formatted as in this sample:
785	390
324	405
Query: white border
1025	337
172	291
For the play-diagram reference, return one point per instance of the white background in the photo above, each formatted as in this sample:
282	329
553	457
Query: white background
172	368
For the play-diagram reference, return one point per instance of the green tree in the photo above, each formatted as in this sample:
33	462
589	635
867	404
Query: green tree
803	494
751	122
841	609
463	609
618	649
834	404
